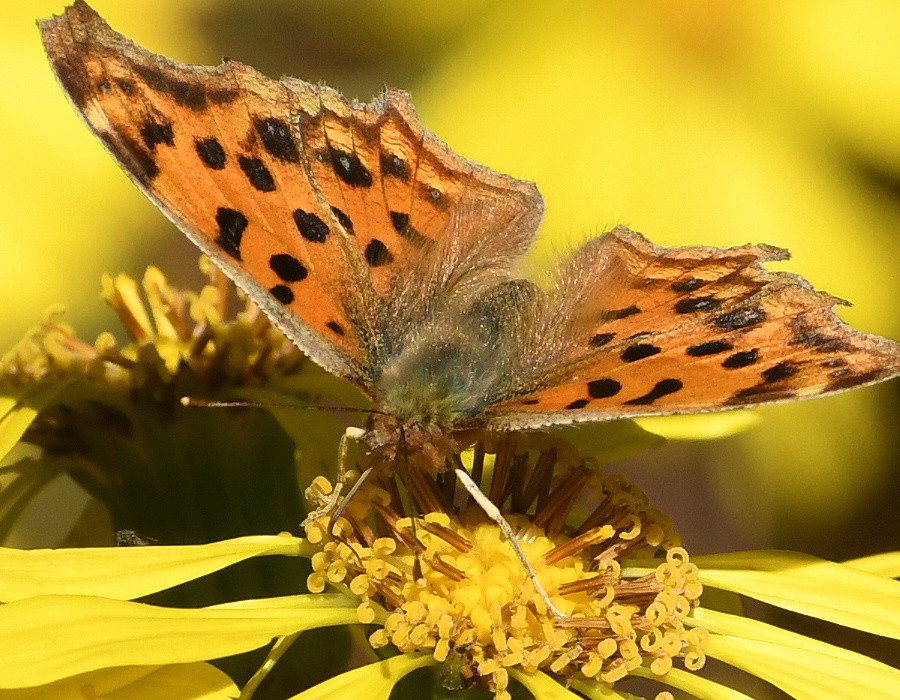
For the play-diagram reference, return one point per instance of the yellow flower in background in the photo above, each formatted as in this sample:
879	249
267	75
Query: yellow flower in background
705	123
66	216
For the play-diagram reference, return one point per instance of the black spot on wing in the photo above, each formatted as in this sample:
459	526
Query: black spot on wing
283	293
347	166
603	388
400	222
662	388
577	403
713	347
435	196
741	359
780	372
257	173
277	138
335	328
211	153
745	317
343	220
617	314
394	166
231	228
154	133
601	339
697	304
310	226
633	353
288	268
377	254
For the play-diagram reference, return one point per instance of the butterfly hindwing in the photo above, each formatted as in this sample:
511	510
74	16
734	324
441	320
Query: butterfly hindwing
686	330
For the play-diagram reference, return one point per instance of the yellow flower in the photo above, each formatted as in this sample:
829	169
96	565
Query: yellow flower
453	586
67	623
598	592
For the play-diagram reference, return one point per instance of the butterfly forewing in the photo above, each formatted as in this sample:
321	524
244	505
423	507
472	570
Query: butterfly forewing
214	148
316	206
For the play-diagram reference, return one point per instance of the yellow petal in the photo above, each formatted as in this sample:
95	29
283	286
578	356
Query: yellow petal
805	668
810	586
49	638
546	688
197	681
886	564
698	686
610	441
18	408
739	626
707	426
124	573
372	682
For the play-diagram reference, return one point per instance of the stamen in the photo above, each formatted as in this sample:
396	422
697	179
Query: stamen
559	605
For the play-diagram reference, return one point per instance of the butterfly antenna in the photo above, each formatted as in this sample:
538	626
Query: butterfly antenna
196	402
493	512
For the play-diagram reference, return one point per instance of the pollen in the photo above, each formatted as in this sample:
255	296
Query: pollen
454	587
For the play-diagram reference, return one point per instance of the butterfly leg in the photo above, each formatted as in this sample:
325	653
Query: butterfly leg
334	506
494	514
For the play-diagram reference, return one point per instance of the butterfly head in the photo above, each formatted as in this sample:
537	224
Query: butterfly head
425	442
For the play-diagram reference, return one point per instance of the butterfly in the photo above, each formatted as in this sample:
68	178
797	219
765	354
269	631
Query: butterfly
397	264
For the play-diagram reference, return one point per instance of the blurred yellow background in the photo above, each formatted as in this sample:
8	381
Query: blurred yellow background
716	123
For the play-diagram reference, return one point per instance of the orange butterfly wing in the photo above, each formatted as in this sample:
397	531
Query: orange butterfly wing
693	329
310	203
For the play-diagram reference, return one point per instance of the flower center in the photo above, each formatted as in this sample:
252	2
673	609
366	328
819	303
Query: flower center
453	587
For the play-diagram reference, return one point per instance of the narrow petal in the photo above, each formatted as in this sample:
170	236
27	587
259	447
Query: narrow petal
811	586
53	637
124	573
801	666
372	682
705	426
546	688
804	674
197	681
886	564
698	686
19	406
